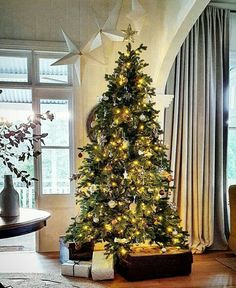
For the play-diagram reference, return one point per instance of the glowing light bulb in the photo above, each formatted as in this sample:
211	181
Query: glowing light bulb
108	227
141	127
169	229
123	251
114	184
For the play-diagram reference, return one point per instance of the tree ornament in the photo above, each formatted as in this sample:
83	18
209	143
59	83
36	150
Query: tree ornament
80	155
142	117
95	219
163	250
92	188
125	174
114	222
175	232
140	152
133	207
112	204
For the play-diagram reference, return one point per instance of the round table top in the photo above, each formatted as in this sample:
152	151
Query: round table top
28	221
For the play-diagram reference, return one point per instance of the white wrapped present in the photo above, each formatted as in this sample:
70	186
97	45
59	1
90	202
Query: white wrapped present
102	266
76	268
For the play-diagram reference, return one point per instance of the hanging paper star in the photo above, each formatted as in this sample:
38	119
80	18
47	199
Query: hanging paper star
108	29
137	14
73	57
129	34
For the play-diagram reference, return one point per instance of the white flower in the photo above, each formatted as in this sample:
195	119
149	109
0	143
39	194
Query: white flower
112	204
140	152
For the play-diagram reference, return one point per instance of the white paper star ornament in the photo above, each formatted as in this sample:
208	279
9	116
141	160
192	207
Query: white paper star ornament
73	57
108	29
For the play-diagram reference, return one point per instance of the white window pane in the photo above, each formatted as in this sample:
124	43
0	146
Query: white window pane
58	129
55	171
13	69
15	104
52	74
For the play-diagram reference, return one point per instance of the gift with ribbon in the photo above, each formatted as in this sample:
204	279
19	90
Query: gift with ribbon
76	268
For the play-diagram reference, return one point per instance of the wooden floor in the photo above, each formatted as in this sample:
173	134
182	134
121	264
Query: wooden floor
206	271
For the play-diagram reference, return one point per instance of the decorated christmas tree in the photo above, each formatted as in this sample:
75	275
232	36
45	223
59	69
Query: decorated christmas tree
124	182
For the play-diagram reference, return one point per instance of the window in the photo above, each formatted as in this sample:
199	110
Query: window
27	81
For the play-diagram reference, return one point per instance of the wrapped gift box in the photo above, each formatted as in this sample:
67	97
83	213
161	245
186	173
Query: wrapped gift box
102	266
141	266
76	268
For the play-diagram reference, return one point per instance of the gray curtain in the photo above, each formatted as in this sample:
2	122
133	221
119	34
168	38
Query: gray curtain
198	130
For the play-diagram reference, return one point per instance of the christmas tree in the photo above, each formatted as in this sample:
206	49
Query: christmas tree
124	182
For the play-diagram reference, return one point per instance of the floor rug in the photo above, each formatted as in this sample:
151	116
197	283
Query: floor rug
38	280
229	262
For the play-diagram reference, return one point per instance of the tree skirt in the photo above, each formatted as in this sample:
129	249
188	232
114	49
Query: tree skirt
38	280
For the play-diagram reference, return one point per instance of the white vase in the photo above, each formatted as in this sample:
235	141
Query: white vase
9	199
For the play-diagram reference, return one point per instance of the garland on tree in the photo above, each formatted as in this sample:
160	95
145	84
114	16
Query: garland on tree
124	182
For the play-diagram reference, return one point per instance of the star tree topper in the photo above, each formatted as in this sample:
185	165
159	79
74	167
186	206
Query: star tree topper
129	34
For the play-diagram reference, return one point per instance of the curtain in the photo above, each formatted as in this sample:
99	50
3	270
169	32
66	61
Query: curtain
198	131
